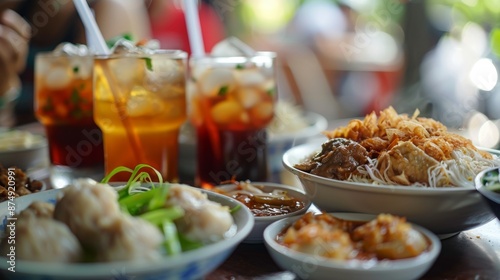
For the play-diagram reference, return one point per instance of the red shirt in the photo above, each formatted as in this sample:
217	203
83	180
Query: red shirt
171	30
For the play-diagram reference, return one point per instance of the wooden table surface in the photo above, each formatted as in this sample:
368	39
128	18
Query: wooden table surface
472	254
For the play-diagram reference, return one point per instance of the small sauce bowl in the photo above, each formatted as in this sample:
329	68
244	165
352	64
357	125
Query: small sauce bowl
266	207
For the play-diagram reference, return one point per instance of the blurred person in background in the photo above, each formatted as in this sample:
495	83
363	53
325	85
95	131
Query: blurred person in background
168	24
55	21
15	33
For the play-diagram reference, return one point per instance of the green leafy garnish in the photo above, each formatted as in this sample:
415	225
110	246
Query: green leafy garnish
271	91
77	113
75	97
49	105
491	181
240	66
134	184
146	198
223	90
111	42
139	202
159	216
149	63
494	187
235	209
76	69
172	243
188	244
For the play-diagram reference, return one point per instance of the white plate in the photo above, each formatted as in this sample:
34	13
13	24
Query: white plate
26	158
189	265
308	266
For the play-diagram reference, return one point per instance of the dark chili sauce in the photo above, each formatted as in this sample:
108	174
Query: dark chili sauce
273	207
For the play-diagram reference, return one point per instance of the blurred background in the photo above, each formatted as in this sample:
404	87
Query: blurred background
347	58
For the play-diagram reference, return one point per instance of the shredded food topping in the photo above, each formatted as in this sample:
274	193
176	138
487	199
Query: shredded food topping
408	150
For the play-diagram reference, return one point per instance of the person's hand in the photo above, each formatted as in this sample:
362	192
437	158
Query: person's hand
14	38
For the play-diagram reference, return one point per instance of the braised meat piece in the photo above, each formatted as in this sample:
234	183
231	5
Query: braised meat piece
338	159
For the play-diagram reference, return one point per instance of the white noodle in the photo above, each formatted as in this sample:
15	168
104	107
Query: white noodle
458	171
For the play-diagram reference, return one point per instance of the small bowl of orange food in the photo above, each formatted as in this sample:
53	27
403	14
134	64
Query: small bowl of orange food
268	202
352	246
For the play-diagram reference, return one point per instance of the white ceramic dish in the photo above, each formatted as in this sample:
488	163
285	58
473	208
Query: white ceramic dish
32	156
256	235
491	197
307	266
444	211
278	145
188	265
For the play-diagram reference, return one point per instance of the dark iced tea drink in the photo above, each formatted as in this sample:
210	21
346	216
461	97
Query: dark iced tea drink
64	105
231	102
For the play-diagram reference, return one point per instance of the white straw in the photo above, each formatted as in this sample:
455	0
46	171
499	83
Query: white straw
193	27
96	41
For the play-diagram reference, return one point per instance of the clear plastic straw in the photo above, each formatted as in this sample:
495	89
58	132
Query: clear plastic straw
96	41
193	27
100	47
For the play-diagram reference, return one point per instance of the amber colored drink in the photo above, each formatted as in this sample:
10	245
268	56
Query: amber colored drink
64	105
231	103
140	104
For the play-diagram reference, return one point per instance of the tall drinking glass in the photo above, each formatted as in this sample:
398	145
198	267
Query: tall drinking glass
231	102
140	105
63	104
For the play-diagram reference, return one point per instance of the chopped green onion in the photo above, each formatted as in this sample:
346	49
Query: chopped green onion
158	216
135	177
234	209
158	201
134	203
188	244
149	63
115	171
223	91
271	91
172	243
111	42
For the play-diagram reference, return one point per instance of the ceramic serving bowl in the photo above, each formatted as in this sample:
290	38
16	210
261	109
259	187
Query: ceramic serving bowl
309	266
23	150
193	264
444	211
488	185
261	222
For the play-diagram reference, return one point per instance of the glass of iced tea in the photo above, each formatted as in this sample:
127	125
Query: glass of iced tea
64	105
140	105
231	102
